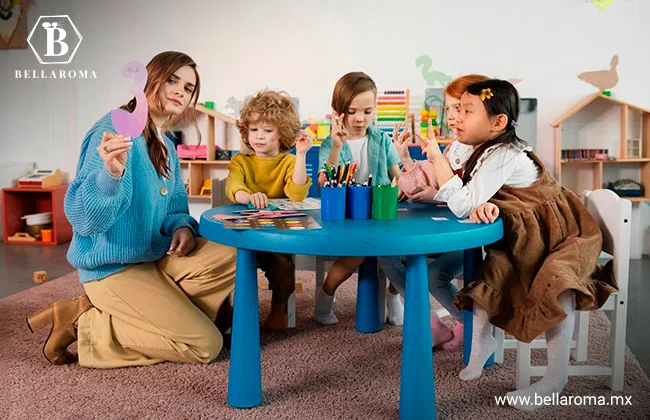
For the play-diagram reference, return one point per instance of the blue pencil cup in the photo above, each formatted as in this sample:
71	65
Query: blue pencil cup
359	202
332	203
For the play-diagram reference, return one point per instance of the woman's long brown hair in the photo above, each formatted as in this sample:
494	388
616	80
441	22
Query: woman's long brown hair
159	70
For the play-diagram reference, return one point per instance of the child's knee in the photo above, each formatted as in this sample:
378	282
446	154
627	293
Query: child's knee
351	262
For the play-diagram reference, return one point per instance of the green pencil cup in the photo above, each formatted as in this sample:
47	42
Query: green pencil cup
384	202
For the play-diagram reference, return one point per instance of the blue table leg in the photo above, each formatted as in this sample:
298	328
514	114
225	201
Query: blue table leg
368	319
245	376
473	259
417	399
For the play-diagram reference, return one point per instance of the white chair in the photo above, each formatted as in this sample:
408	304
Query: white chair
613	215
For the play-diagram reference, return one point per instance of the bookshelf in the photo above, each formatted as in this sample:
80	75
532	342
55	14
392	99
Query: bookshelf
603	122
200	169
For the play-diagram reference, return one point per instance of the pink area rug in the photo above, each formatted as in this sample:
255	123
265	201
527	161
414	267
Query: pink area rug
311	372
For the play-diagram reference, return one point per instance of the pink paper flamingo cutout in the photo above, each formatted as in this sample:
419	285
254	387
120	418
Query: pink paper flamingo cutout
132	124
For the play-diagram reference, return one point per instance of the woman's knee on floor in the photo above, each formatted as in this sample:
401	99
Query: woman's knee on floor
208	346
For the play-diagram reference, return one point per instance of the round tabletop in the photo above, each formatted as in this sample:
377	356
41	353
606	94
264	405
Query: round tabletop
413	233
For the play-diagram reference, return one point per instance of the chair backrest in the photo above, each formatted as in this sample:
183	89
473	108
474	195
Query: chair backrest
613	215
218	193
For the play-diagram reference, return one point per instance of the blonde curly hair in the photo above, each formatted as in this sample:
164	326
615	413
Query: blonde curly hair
276	109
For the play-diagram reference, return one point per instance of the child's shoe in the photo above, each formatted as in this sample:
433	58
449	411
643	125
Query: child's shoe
440	333
323	309
395	309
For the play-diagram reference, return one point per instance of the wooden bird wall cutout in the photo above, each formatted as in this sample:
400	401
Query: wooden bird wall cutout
602	79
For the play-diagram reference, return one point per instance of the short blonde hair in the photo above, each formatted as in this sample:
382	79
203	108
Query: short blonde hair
276	109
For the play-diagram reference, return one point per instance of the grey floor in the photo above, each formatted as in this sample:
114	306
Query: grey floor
18	263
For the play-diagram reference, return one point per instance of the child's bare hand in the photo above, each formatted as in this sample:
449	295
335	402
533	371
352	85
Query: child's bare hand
425	194
259	200
430	146
322	178
303	143
485	213
402	141
339	133
401	195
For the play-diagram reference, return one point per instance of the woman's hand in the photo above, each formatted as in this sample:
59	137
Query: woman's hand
485	213
182	242
112	150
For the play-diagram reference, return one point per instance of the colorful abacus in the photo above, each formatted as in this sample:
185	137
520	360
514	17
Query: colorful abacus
392	107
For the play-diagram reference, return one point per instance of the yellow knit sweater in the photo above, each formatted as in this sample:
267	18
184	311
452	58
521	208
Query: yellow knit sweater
271	176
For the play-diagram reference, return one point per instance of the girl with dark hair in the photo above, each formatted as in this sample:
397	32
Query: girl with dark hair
545	267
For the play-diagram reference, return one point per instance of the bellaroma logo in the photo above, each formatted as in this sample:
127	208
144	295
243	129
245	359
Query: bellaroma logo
55	40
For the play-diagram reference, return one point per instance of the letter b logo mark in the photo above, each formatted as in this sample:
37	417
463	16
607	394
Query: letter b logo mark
54	39
55	36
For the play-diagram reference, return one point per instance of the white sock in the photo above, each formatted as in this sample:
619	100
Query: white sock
323	312
483	345
558	343
395	309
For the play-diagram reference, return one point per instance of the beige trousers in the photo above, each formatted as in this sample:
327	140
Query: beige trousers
156	312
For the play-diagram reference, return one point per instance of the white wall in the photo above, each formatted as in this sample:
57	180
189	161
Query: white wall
304	47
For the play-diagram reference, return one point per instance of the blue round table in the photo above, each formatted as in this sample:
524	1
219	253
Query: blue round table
414	234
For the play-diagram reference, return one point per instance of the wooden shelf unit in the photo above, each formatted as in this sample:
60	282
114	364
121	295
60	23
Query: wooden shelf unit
597	166
18	202
199	168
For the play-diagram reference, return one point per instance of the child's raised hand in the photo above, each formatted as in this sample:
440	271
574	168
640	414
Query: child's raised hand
322	178
430	146
485	213
339	134
402	141
259	200
303	143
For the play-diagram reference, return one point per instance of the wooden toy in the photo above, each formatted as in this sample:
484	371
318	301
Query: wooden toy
21	237
40	277
41	178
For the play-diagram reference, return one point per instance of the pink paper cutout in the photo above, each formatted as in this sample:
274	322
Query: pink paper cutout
132	124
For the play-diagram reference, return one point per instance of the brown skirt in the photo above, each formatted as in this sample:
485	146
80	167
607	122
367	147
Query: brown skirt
551	244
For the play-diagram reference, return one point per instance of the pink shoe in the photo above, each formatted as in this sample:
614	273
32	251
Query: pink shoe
440	333
457	340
